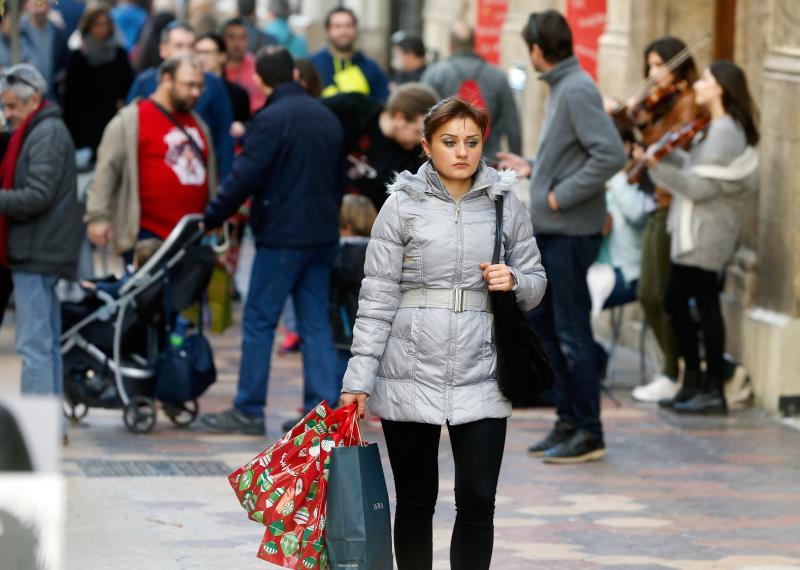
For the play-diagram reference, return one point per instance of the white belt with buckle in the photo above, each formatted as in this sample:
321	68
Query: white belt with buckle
457	300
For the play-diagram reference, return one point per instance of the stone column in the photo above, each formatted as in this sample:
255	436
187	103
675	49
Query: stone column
772	330
437	18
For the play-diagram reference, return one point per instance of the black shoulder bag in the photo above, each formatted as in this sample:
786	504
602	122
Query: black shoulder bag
523	368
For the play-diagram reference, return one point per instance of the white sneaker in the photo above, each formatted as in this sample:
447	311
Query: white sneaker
661	388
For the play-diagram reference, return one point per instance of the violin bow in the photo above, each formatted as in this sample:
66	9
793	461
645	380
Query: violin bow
672	64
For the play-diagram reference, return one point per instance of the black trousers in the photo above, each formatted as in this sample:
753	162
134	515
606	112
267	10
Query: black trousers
685	283
414	455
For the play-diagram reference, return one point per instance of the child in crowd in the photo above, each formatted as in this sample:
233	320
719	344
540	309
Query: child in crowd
142	252
356	217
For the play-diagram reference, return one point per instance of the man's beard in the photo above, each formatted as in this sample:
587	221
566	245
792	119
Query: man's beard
344	48
181	105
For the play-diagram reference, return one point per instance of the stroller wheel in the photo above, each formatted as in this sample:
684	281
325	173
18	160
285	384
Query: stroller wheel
183	415
75	412
139	415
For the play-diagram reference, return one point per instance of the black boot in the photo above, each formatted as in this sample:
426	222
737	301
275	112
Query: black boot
692	385
559	434
709	401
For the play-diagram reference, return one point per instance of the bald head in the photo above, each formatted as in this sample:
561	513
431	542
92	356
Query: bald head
461	36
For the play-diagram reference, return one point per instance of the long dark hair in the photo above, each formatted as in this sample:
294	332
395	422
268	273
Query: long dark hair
736	97
149	41
667	48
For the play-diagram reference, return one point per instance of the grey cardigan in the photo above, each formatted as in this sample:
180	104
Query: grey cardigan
710	186
435	365
579	150
45	228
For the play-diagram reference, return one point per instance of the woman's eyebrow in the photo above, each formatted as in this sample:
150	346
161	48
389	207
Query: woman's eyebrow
456	136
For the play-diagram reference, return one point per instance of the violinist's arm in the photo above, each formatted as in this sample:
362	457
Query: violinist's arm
720	147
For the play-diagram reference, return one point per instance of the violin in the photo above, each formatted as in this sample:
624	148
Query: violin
658	97
669	142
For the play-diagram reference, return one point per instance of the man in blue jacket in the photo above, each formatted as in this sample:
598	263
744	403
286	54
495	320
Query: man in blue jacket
214	105
343	68
292	165
579	150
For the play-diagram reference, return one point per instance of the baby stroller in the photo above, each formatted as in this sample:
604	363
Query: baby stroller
111	345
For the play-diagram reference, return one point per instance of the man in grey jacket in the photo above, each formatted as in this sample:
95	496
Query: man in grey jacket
40	202
579	150
462	72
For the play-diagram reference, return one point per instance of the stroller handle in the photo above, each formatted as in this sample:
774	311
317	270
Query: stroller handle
188	231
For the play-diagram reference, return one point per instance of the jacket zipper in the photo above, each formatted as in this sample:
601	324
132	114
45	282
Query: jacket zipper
453	332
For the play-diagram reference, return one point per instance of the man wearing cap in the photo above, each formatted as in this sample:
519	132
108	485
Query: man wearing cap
40	222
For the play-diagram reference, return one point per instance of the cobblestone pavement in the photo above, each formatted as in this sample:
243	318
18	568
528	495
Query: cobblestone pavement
683	493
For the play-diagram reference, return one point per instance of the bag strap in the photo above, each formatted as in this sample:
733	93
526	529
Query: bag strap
498	232
189	137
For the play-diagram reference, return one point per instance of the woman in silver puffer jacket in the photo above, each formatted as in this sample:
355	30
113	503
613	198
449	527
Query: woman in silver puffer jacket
423	352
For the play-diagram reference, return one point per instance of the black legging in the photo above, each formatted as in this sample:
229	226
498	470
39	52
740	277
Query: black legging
413	453
703	286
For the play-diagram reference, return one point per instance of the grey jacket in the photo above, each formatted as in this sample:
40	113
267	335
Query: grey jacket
579	150
710	186
448	75
45	228
436	365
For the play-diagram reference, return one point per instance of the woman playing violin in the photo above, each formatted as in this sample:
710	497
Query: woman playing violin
654	120
710	186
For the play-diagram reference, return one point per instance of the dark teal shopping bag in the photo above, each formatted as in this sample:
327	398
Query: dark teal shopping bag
359	531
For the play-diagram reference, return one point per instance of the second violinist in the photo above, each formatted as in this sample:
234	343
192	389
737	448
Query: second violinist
669	114
711	185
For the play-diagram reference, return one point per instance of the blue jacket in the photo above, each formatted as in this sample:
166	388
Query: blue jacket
214	107
293	165
280	30
378	82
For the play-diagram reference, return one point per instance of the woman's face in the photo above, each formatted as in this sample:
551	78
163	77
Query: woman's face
657	70
706	89
455	148
101	27
210	58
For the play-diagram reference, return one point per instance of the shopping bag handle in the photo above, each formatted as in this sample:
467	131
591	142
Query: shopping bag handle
354	426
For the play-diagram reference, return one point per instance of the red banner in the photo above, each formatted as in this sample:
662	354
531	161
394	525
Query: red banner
491	17
587	18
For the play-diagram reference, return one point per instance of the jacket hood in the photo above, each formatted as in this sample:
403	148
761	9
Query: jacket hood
426	181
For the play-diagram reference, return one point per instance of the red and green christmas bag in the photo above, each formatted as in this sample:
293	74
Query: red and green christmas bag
284	487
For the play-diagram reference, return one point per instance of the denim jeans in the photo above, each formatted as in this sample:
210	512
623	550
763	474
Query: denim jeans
305	275
563	321
38	328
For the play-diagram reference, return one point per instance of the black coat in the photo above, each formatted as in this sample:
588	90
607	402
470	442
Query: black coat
292	164
346	277
240	101
92	96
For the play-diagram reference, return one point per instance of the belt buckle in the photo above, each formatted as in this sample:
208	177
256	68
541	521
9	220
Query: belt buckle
458	300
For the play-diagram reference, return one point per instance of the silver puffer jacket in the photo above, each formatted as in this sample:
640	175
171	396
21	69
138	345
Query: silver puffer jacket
436	365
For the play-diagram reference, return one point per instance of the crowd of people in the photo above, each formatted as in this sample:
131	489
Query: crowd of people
371	200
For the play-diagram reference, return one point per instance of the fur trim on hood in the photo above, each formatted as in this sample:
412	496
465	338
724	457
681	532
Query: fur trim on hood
427	181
